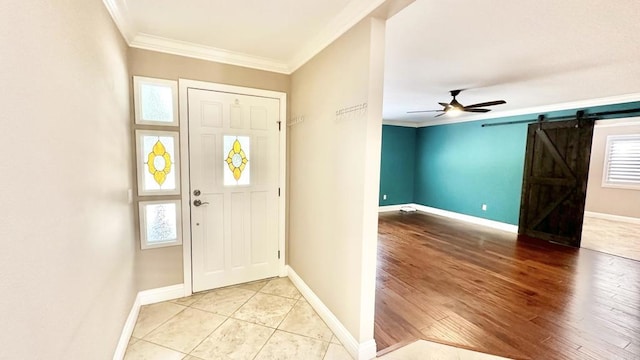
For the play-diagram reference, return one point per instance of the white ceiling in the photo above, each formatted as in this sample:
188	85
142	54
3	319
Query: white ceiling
274	35
530	53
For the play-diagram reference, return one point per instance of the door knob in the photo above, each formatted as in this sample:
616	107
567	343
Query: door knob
197	202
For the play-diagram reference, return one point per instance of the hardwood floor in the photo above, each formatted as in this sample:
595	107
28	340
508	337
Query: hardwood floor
479	288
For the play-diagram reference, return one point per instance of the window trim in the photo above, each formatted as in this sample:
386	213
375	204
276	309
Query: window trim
138	81
605	169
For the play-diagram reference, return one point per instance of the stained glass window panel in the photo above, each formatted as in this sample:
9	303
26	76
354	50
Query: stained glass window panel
158	171
237	160
159	222
157	103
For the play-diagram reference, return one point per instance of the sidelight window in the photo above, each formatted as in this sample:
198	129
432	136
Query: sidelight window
157	162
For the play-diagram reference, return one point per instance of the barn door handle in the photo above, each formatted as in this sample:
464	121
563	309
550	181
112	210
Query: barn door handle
197	202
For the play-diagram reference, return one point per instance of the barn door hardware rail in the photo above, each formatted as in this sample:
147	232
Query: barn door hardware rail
581	114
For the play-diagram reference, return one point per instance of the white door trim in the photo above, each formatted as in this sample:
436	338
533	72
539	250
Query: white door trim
183	86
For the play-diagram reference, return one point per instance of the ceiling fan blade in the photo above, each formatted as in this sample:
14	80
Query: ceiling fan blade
476	110
488	103
440	114
443	104
423	111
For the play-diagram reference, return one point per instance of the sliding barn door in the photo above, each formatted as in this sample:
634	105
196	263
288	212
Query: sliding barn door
555	180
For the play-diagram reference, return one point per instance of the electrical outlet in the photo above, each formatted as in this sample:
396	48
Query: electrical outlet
384	197
484	207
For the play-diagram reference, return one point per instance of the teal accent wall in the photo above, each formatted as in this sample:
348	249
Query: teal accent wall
459	167
397	168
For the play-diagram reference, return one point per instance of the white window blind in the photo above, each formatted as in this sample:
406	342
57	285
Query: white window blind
622	161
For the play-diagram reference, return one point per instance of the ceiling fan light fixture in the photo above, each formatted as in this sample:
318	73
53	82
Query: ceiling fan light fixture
454	111
454	108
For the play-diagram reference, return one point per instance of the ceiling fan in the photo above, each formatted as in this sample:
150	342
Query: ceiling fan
455	106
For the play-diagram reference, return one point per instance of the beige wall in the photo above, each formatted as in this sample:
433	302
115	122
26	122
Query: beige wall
334	175
163	266
622	202
66	228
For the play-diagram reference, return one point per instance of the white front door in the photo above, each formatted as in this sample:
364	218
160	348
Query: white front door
234	170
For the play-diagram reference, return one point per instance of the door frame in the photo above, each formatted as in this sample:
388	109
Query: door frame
183	87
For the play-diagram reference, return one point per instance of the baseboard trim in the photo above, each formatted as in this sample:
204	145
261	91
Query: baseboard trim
468	218
626	219
127	329
166	293
457	216
360	351
389	208
145	297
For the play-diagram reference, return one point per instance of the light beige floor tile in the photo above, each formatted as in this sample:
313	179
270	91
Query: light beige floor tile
334	340
303	320
189	300
254	285
285	346
152	316
132	341
191	357
143	350
234	339
264	309
281	287
337	352
186	330
223	301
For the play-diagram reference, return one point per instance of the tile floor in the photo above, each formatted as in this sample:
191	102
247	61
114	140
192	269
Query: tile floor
266	319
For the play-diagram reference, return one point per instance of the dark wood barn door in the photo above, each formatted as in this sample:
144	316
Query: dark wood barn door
555	180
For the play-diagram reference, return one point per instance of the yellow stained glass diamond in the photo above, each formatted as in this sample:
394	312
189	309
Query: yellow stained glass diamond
159	162
237	160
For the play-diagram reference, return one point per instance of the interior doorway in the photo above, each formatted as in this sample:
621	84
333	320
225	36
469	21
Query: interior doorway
612	214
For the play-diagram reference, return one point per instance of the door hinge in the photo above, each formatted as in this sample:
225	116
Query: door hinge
278	254
278	192
279	125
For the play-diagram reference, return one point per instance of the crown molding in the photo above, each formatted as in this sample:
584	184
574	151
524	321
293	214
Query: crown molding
353	13
611	100
118	11
401	123
183	48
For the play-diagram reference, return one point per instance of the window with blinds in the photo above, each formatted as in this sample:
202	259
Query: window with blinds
622	162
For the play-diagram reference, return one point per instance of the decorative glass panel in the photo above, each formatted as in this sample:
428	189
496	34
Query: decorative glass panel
156	101
157	163
236	165
159	224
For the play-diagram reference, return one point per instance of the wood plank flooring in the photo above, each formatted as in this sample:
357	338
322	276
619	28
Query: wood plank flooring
482	289
611	237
